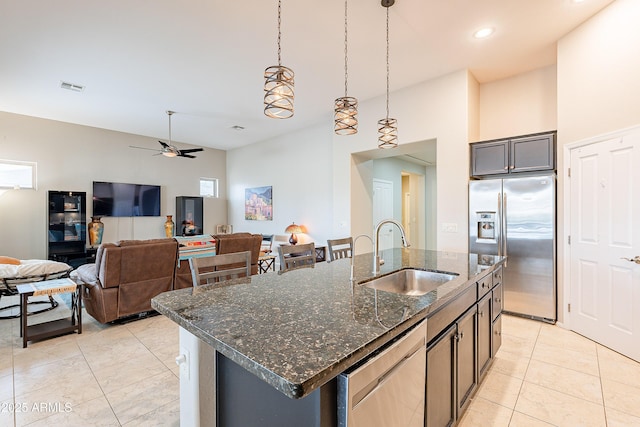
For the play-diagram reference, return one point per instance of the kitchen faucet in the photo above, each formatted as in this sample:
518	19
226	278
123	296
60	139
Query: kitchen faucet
353	251
376	242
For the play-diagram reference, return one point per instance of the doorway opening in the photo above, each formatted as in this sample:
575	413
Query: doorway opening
410	171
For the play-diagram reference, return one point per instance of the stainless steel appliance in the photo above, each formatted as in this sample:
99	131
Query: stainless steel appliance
516	218
388	389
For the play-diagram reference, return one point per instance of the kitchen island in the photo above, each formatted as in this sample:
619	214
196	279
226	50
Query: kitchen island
296	332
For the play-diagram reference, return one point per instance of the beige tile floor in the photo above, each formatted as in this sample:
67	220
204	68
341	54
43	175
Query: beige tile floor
125	375
544	375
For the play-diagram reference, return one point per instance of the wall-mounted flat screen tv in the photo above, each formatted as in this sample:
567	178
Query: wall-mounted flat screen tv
118	199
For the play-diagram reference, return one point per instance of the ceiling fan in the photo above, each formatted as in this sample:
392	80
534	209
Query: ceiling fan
170	150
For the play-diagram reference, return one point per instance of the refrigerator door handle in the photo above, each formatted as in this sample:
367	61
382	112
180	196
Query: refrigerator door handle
504	227
500	225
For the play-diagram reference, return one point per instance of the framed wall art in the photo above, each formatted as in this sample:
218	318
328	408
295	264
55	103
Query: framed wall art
258	204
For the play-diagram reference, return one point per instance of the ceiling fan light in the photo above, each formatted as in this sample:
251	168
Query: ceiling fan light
388	133
169	154
346	115
278	88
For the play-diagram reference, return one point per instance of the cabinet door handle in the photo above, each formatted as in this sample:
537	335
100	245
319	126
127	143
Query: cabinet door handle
482	314
498	300
498	333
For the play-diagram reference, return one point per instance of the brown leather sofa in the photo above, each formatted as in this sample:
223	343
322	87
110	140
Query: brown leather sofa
225	244
125	277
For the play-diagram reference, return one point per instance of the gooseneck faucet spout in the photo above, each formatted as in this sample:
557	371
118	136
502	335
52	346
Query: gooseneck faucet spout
353	252
376	242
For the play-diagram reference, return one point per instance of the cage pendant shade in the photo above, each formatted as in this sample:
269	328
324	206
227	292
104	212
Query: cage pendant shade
387	133
346	115
278	92
278	85
387	127
345	108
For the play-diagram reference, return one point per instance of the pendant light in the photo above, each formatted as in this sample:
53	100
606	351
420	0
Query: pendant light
278	86
387	127
346	107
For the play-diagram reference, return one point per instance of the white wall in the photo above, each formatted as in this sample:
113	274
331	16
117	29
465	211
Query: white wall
598	87
298	167
70	157
519	105
340	202
598	79
437	109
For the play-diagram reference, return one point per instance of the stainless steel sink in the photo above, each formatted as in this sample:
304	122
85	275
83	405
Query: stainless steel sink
410	281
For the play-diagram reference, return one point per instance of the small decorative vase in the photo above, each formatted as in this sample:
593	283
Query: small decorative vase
95	228
169	226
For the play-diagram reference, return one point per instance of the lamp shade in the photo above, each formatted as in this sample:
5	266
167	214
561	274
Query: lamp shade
294	229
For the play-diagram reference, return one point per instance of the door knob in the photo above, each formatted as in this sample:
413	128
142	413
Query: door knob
635	259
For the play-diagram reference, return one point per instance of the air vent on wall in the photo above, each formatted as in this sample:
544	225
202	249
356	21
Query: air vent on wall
71	86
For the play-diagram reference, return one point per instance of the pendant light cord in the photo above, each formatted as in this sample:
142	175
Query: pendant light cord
279	34
346	74
387	62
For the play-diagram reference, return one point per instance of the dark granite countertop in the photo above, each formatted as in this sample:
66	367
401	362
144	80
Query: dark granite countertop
298	330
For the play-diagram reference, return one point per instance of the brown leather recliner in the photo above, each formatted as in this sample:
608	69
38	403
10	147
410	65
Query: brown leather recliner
225	244
126	276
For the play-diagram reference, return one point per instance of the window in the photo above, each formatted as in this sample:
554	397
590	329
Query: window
17	175
209	187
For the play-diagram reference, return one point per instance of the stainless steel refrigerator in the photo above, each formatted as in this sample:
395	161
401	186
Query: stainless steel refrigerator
516	218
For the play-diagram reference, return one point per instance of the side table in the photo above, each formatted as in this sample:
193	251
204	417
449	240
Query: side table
54	327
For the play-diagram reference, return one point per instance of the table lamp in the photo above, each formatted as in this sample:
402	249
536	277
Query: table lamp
293	229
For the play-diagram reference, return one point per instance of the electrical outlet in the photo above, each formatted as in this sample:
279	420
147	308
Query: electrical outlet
449	227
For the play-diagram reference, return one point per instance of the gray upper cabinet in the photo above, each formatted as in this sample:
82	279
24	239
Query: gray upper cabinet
518	154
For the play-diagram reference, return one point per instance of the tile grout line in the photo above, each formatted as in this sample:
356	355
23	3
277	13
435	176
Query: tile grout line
524	376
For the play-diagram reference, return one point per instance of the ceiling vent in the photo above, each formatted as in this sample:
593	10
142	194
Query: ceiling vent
71	86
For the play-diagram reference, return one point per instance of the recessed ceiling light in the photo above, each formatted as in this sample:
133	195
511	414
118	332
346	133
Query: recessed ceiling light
483	33
237	127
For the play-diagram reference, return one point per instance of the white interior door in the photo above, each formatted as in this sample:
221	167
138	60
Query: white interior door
605	228
383	209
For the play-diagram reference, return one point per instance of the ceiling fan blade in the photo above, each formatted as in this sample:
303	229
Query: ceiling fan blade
164	144
189	156
144	148
191	150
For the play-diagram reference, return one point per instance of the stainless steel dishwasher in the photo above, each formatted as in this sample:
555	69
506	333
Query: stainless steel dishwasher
389	389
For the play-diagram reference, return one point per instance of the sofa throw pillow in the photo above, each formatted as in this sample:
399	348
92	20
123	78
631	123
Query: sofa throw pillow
9	260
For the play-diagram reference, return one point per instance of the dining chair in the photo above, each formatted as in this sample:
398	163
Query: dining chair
296	256
266	245
340	248
217	268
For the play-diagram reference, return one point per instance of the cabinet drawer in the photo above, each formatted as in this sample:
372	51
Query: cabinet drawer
497	276
484	285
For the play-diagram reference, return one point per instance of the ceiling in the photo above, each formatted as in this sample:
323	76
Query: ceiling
205	59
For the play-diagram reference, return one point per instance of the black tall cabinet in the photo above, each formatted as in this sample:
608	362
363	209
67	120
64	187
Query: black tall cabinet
67	230
189	216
